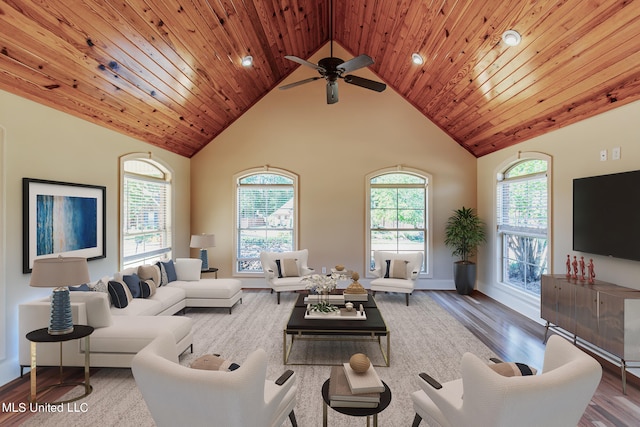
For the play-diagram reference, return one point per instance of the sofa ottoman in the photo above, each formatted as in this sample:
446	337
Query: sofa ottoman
223	293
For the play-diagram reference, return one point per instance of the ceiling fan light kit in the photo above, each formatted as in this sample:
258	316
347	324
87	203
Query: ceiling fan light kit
511	37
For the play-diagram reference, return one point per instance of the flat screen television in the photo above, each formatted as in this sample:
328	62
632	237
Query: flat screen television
606	215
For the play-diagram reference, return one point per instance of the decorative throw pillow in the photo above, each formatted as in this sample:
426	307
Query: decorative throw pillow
101	285
147	288
170	268
396	269
149	272
119	293
83	288
133	282
164	279
212	362
513	369
288	267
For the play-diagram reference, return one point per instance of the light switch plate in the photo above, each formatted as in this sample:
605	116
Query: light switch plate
603	155
615	153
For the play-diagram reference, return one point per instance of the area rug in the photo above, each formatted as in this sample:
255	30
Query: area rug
424	338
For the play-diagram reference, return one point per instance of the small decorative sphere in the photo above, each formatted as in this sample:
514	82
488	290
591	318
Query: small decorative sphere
359	363
339	267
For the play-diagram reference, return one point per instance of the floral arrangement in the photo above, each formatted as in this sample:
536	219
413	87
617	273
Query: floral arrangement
322	284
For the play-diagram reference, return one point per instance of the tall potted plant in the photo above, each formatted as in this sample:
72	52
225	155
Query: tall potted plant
464	232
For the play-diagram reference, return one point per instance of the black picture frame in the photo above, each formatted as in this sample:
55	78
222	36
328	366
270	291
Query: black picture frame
62	219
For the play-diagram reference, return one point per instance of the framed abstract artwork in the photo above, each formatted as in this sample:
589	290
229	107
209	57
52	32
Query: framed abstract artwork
62	218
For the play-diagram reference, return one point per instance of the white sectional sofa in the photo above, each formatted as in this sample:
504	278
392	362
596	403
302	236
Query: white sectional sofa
121	332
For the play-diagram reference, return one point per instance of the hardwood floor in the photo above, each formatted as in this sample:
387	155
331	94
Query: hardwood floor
510	335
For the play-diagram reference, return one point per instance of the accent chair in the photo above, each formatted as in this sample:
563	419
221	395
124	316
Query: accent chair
555	398
396	272
284	271
179	395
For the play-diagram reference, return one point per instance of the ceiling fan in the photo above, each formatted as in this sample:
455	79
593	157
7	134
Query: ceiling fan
331	69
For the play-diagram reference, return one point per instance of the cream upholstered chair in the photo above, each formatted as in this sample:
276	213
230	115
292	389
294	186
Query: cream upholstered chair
284	271
179	395
396	272
556	397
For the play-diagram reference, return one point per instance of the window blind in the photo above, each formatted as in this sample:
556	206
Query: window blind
522	206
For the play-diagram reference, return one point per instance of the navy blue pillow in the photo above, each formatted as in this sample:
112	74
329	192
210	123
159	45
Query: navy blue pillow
133	283
83	288
118	293
171	271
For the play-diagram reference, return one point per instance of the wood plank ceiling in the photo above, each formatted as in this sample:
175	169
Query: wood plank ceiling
168	72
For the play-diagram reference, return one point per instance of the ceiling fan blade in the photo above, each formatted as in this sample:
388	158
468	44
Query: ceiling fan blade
365	83
303	62
301	82
355	63
332	92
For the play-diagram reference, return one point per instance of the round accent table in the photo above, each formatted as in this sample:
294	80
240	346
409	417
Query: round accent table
42	336
211	270
385	400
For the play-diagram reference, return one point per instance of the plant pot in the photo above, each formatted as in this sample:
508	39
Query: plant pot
464	276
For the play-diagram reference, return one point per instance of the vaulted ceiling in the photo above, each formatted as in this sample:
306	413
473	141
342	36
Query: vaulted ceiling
168	72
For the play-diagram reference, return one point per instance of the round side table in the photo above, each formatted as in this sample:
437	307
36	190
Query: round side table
43	336
385	400
211	270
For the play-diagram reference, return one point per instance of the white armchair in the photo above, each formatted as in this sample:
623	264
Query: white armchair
557	397
396	272
284	271
179	395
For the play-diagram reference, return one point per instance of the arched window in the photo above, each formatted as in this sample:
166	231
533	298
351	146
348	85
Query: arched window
266	215
398	213
146	206
523	223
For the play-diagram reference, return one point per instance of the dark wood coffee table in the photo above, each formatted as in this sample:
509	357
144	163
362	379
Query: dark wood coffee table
371	329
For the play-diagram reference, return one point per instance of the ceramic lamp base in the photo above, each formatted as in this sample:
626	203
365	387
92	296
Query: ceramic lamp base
204	256
61	320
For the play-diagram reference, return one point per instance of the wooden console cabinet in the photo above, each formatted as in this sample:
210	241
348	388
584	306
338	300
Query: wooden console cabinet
603	314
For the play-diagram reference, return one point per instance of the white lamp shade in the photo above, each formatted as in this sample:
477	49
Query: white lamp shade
60	271
203	241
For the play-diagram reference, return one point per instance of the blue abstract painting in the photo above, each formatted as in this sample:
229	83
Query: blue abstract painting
65	223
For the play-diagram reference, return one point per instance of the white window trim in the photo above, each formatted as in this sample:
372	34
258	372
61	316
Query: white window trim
429	211
253	171
499	283
167	170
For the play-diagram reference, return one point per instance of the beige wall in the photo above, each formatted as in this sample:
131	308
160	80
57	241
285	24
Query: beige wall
42	143
575	151
332	148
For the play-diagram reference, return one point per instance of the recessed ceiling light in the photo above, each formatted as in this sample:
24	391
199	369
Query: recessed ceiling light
247	61
511	37
417	59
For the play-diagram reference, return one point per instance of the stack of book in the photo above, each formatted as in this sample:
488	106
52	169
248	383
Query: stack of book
348	389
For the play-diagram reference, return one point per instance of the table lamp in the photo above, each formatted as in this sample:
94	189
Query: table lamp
59	273
202	242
